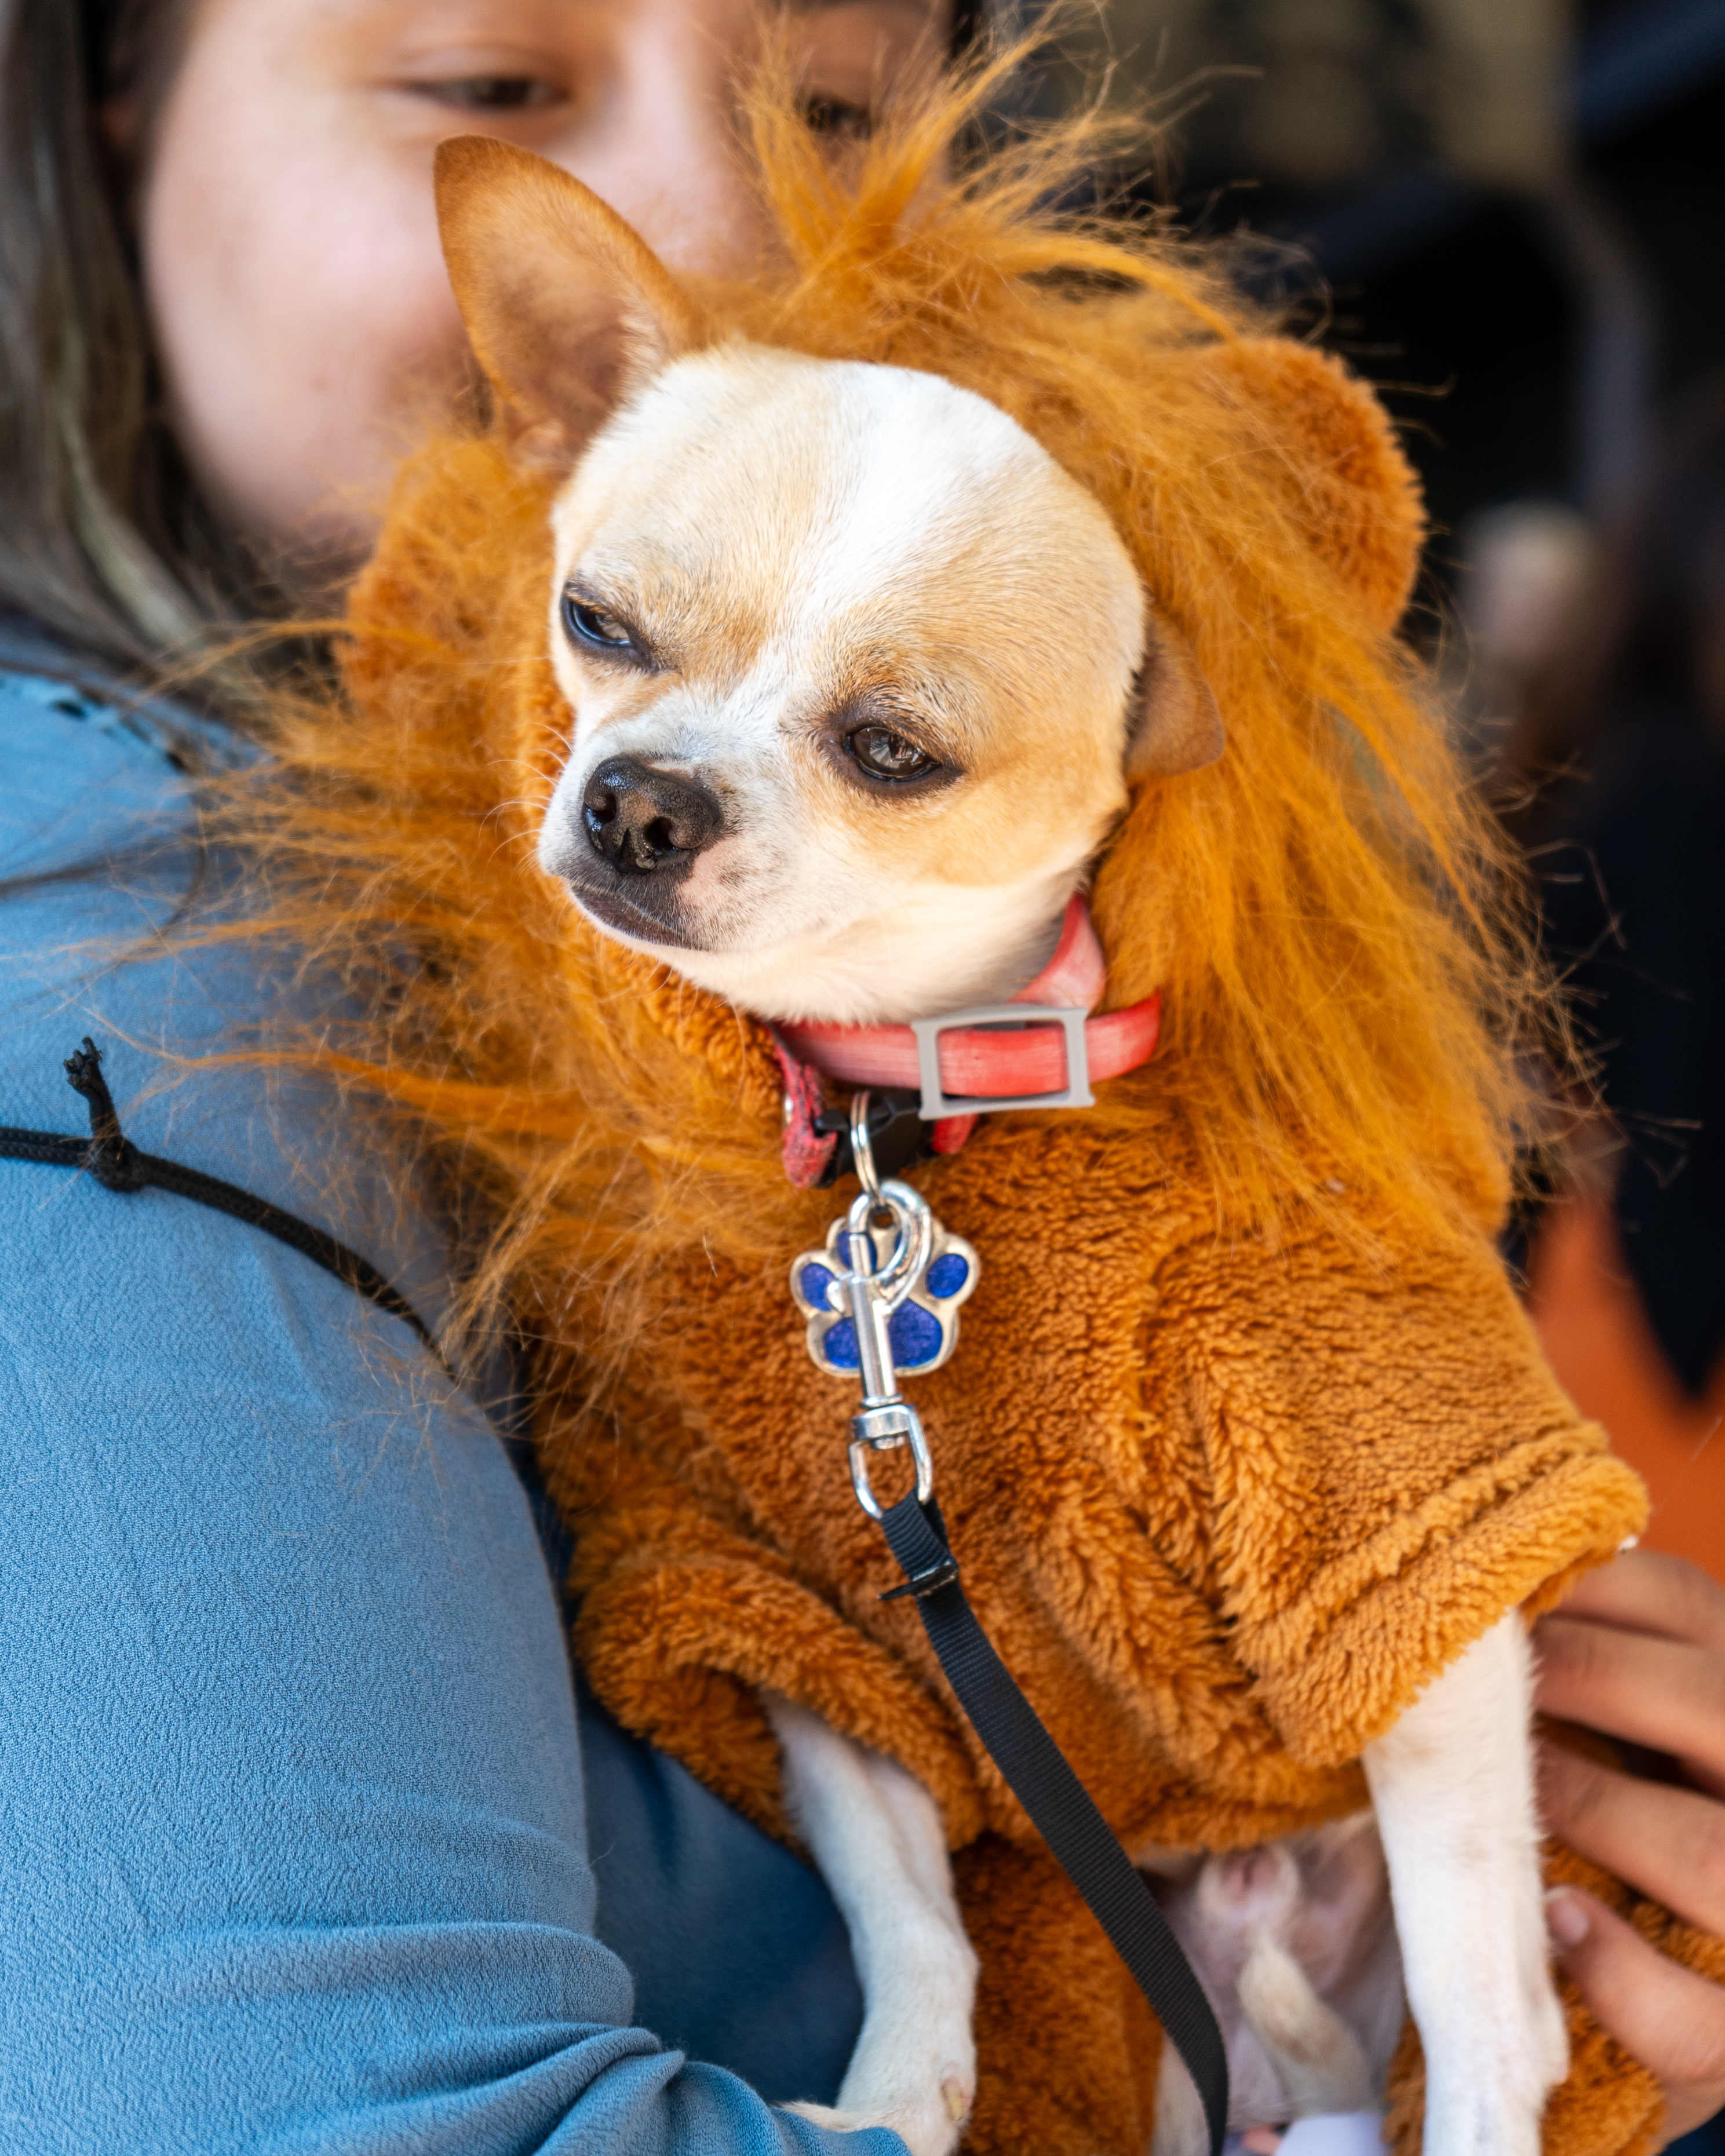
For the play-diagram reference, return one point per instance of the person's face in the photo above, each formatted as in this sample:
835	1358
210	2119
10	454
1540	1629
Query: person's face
290	259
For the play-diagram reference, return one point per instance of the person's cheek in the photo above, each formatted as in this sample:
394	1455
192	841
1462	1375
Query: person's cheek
301	308
368	350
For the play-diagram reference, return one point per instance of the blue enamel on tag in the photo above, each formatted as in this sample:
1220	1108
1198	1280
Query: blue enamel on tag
923	1329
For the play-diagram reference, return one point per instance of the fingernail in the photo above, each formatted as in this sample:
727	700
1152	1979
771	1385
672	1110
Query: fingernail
1565	1917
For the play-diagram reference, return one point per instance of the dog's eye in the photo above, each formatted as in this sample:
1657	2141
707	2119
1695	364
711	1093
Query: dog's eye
591	624
883	754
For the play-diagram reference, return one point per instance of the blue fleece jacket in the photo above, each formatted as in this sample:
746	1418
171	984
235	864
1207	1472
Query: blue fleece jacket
295	1851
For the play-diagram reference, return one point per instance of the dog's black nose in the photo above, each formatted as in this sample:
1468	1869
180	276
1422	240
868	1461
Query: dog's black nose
646	822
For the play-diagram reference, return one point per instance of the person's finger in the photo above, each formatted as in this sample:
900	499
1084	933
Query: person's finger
1661	1693
1667	2016
1668	1843
1646	1591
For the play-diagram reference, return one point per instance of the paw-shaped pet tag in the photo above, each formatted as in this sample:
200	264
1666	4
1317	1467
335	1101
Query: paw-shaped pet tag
923	1327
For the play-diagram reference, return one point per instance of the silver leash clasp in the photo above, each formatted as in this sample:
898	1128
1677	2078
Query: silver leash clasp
884	1293
884	1429
885	1420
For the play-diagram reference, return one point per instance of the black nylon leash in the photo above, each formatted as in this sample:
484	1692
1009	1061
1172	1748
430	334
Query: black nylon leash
1062	1810
113	1160
856	1283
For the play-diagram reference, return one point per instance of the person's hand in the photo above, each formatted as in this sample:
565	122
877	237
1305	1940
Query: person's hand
1638	1651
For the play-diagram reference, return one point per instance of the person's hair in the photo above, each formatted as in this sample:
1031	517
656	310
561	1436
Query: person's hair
1644	617
105	543
1322	910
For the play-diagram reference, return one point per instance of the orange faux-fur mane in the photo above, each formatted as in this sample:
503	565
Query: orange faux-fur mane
1319	909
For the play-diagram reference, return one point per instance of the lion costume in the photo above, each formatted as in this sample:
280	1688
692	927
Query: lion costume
1290	1445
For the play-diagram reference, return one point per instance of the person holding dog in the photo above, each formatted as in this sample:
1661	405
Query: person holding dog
304	1820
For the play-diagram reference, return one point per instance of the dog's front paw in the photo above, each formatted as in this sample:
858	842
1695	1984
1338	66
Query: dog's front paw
928	2122
1479	2122
1487	2097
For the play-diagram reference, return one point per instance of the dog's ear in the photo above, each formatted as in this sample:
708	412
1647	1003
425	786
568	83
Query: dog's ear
1173	724
567	308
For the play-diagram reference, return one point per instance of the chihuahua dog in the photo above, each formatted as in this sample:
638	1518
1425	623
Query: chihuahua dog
857	680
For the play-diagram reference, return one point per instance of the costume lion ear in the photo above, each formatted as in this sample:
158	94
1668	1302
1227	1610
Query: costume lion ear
567	308
1350	484
1174	724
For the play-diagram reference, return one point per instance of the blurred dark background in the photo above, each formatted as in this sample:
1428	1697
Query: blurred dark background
1516	205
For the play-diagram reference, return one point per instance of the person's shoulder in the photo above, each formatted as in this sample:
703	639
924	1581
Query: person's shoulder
118	922
86	766
96	814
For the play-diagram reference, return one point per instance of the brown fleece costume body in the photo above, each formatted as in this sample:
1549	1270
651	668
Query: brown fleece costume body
1222	1510
1225	1501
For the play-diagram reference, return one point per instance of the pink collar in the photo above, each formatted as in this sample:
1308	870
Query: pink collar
963	1070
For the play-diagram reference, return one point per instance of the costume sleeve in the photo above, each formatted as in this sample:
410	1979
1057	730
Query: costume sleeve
1394	1467
294	1854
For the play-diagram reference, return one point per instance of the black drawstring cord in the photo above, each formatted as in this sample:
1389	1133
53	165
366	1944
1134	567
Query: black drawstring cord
110	1156
116	1164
